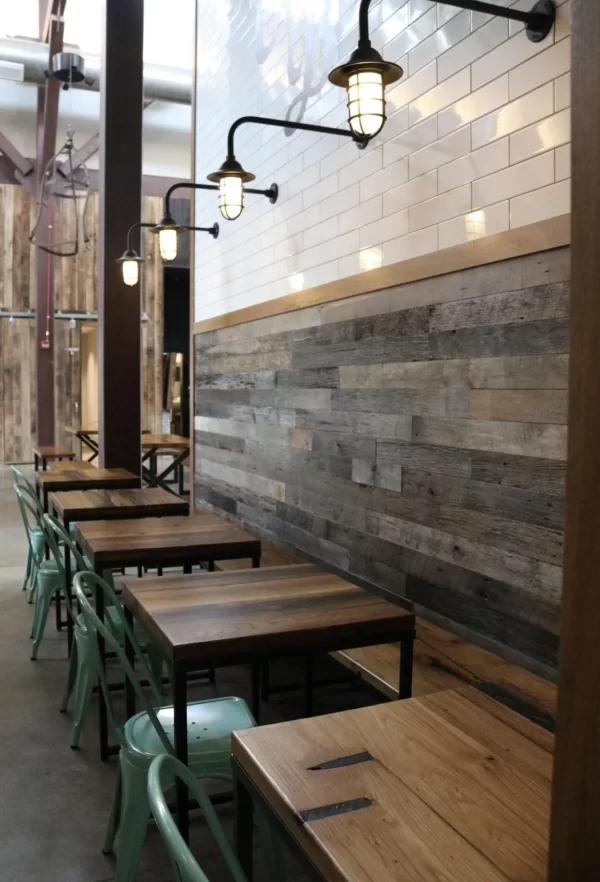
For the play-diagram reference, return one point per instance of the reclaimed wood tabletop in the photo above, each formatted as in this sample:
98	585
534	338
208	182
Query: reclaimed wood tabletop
447	786
163	541
108	504
84	477
229	614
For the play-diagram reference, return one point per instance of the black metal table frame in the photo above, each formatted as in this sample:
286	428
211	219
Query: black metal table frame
152	478
247	796
185	559
180	670
86	438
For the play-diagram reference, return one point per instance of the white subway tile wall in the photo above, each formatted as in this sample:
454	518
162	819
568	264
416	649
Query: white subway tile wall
477	139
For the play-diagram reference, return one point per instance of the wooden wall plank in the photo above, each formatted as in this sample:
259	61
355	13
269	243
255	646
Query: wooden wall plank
414	438
75	290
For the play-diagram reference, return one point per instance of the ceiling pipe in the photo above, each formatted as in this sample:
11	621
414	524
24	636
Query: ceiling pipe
161	83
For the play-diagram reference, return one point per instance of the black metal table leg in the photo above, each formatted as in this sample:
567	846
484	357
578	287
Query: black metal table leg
243	826
407	643
181	747
256	561
264	681
130	655
256	678
36	462
102	716
308	686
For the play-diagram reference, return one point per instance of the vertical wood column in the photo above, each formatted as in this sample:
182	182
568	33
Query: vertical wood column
120	188
575	829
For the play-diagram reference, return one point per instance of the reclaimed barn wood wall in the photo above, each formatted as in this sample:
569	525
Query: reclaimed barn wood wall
75	290
414	437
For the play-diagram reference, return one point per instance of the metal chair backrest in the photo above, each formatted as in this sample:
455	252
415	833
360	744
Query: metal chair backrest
163	770
32	515
55	534
90	583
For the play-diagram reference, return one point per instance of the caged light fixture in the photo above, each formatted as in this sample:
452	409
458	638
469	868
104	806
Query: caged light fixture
168	229
130	260
366	74
231	176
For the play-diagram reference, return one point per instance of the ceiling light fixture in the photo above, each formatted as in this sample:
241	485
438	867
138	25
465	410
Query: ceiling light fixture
231	176
366	74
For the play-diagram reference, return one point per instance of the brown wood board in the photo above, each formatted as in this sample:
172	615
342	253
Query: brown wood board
254	612
200	536
448	789
109	504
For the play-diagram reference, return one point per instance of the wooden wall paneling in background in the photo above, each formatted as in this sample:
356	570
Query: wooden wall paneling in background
575	826
67	360
415	438
18	389
152	276
17	266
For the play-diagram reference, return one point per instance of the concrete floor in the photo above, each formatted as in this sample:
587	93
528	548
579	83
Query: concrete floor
54	801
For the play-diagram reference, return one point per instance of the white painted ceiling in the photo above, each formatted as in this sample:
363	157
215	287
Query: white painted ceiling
168	40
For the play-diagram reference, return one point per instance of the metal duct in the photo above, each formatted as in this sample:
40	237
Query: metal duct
160	83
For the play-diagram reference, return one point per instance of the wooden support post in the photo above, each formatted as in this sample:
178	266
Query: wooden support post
51	30
575	829
119	306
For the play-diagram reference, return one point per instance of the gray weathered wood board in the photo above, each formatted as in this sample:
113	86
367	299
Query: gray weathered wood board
414	438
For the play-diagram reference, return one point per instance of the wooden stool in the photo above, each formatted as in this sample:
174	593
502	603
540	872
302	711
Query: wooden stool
44	453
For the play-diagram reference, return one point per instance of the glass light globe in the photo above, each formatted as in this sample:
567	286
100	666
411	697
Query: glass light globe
167	243
231	196
366	103
131	272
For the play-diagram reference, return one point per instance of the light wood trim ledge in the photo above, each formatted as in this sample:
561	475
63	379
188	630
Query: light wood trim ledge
541	236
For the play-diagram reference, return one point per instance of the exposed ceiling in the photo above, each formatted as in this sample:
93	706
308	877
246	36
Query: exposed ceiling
168	41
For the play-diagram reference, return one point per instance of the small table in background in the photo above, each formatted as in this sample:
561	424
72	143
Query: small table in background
43	454
253	616
154	446
450	786
85	478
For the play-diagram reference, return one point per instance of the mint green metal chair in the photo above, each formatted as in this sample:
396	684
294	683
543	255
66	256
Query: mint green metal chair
151	733
162	774
48	579
36	535
83	670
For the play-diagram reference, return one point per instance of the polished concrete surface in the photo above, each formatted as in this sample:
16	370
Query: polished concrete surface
54	801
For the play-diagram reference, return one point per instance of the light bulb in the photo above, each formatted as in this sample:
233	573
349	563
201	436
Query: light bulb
167	243
131	272
366	103
231	196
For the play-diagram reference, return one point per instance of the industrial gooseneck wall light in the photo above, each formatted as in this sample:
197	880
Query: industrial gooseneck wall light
168	228
366	74
231	177
130	260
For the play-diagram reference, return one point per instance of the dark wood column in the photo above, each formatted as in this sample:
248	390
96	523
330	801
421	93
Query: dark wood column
575	832
120	189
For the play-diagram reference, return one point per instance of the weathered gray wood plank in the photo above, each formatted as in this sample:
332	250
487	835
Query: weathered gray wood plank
453	403
528	305
520	372
521	439
521	405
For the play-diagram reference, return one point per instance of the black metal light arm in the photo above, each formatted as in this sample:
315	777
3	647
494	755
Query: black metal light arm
130	232
270	193
285	124
539	19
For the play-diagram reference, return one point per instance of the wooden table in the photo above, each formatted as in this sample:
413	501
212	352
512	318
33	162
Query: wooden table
76	478
167	541
99	505
58	466
252	616
451	786
43	453
155	445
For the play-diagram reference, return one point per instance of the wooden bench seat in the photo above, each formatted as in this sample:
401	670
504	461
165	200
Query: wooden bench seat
442	661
